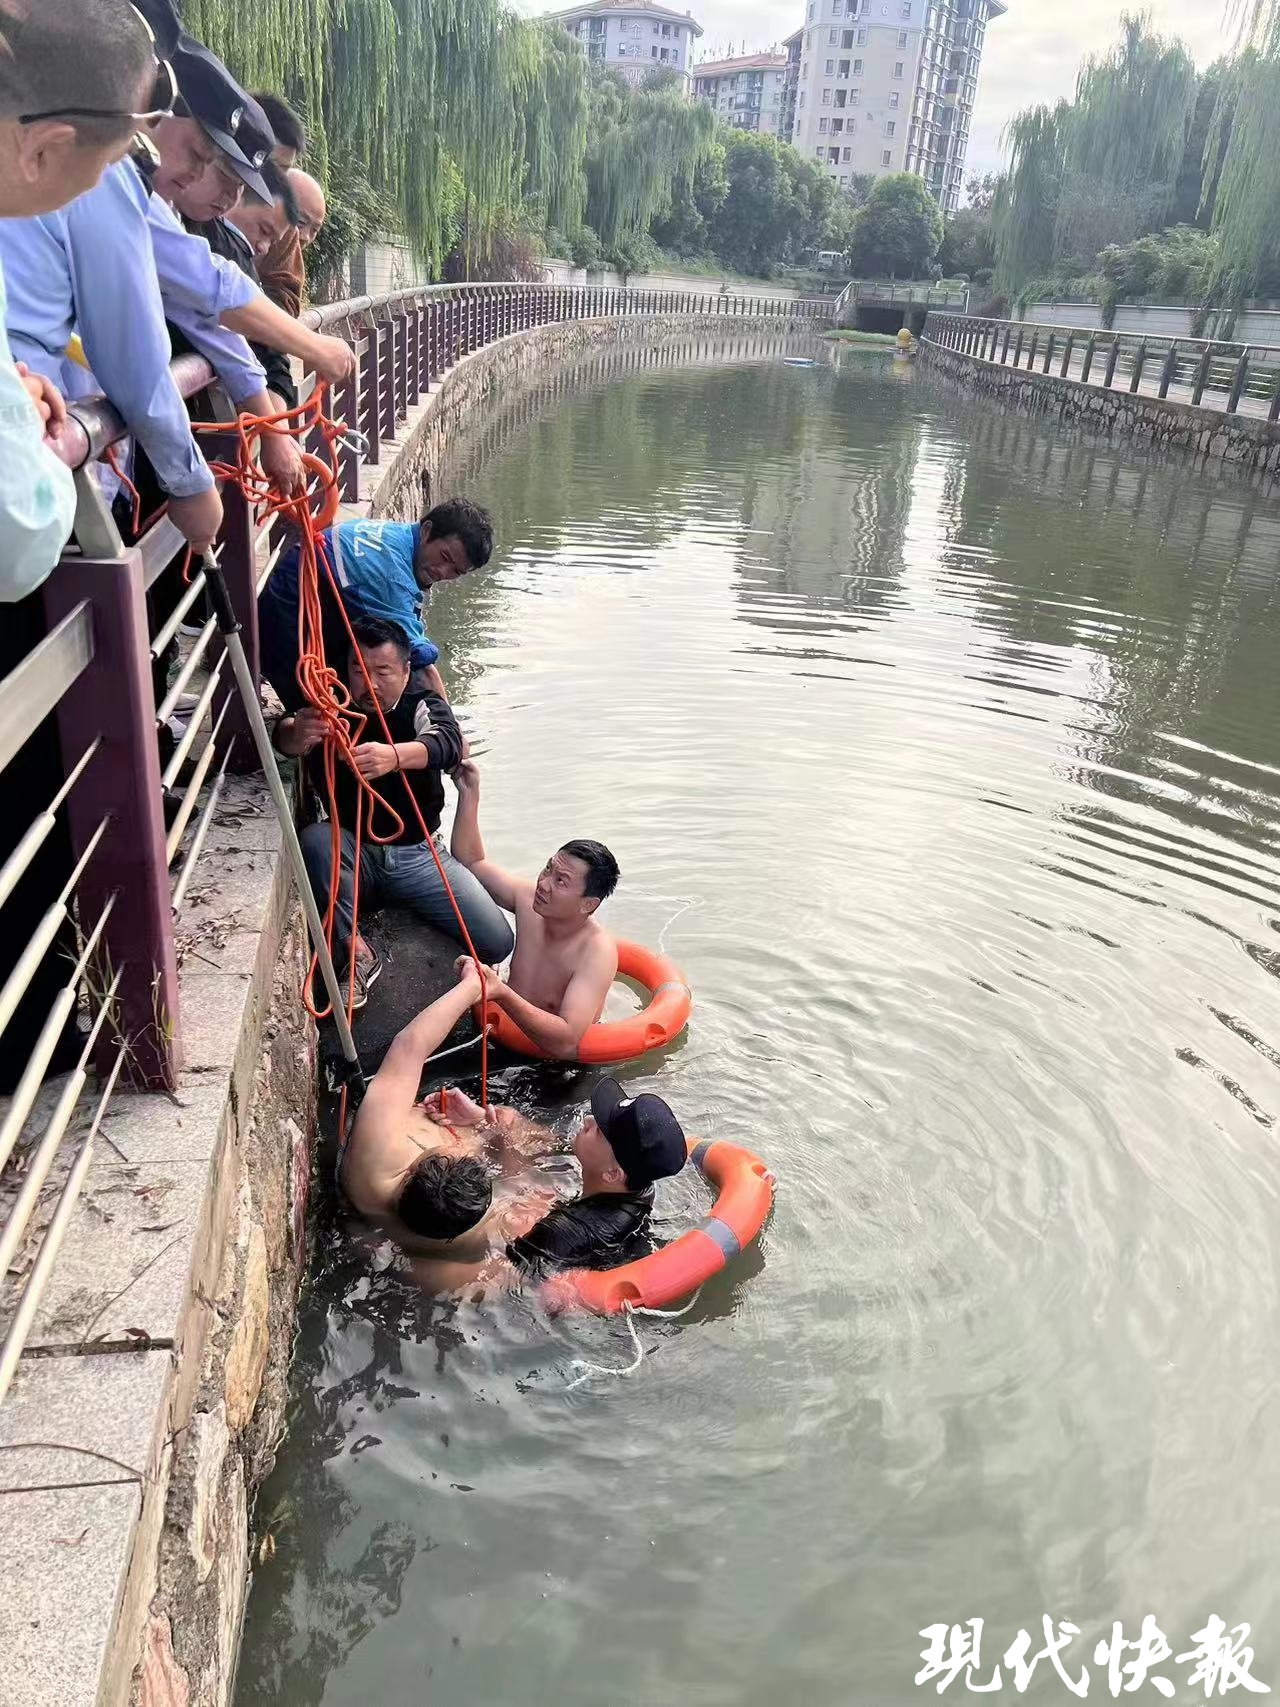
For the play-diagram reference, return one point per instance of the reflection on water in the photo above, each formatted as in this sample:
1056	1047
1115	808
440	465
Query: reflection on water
943	753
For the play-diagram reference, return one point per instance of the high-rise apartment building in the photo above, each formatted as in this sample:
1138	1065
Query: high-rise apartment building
633	37
745	92
889	86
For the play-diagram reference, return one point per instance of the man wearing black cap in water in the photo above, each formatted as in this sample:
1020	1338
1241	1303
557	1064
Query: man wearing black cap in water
625	1145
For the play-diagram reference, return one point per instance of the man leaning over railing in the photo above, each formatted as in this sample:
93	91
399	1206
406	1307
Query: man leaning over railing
110	264
72	82
73	79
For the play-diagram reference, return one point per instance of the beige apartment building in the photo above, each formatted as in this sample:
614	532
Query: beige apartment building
633	37
745	92
880	86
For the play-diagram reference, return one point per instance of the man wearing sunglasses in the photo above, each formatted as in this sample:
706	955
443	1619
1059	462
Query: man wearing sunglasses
51	152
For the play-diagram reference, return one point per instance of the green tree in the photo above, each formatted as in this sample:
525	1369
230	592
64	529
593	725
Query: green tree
685	227
899	231
645	145
777	204
1246	209
968	246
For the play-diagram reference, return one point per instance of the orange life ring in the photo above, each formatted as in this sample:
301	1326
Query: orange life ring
664	1277
662	1019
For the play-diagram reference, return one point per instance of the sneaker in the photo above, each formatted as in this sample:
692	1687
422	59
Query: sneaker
368	971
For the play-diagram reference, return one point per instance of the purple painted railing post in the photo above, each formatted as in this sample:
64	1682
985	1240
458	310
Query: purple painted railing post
122	784
240	571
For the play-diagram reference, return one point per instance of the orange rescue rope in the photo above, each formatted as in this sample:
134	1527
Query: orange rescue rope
324	690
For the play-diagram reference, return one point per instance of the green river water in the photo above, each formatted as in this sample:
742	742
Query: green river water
943	753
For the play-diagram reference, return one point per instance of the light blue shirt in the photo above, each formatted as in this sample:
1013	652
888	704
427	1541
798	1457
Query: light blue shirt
375	571
91	268
197	286
37	492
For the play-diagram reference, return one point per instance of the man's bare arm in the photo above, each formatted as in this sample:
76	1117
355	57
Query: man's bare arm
467	844
560	1034
395	1084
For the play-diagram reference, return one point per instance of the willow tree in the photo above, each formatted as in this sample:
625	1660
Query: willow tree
642	144
1246	210
1102	168
1024	217
454	109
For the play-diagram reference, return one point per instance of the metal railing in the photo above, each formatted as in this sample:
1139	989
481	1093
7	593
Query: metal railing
117	812
1235	378
892	293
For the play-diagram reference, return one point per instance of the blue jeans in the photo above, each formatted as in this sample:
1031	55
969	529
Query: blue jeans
406	874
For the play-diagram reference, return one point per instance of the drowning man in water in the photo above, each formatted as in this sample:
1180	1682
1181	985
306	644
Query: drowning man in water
564	962
424	1171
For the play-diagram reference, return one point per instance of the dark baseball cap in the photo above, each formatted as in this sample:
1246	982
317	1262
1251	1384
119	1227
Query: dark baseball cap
642	1133
208	93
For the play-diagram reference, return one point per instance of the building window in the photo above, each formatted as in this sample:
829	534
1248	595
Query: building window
855	97
800	99
846	155
837	8
824	125
904	37
831	68
894	100
897	70
843	71
826	97
666	29
846	38
833	36
862	38
890	127
906	8
654	52
857	68
818	153
842	96
844	180
886	159
837	125
833	156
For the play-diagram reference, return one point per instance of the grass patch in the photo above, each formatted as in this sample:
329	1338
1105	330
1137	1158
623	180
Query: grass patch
871	340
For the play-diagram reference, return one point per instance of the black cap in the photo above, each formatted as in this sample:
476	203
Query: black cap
642	1132
234	120
164	22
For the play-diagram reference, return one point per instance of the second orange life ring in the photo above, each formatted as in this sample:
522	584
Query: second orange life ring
663	1018
662	1278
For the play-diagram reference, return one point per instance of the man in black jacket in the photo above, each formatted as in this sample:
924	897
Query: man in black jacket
425	741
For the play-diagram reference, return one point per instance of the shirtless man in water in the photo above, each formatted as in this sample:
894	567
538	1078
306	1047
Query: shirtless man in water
424	1172
564	962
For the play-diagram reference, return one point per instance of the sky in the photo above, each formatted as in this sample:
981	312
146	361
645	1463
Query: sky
1031	55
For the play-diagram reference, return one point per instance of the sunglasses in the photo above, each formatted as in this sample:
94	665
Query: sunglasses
163	95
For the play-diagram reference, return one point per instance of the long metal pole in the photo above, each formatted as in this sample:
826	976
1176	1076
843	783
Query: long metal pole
229	628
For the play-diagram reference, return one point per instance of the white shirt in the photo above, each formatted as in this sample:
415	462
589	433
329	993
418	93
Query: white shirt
37	492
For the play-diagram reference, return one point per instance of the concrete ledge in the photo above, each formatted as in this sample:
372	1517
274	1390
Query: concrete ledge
156	1300
1243	443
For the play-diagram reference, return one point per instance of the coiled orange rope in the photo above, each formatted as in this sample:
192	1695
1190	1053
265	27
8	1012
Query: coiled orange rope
323	688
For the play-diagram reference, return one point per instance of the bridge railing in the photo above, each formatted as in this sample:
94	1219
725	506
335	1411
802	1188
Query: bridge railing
1235	378
114	752
891	293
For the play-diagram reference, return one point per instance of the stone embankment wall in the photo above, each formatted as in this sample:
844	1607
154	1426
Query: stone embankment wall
484	384
1246	443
